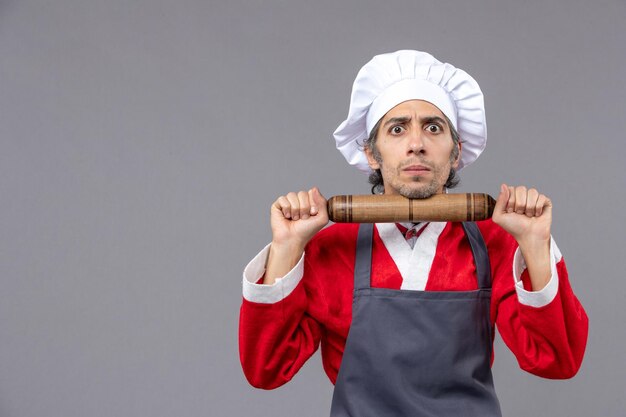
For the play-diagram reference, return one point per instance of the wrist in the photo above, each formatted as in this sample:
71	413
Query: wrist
281	259
533	246
536	253
285	248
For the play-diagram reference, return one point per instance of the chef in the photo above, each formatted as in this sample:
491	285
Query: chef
405	313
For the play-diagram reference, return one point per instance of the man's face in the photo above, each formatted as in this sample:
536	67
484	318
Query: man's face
414	147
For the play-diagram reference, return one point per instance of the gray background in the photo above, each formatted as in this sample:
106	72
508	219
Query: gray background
142	142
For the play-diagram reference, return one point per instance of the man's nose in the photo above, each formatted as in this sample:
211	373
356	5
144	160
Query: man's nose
416	143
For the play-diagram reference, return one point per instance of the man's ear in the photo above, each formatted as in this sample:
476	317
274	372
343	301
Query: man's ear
456	162
371	161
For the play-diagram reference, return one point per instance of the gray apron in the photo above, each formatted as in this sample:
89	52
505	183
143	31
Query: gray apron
417	353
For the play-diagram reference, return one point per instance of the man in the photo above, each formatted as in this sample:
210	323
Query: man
419	302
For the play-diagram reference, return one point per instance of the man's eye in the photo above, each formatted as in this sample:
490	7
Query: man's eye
433	128
396	130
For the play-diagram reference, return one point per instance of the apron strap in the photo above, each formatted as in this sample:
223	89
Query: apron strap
481	256
363	263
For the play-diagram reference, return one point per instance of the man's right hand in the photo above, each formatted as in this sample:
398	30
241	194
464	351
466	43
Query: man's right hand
295	218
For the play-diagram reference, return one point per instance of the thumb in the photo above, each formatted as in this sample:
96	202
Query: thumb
318	202
547	208
502	200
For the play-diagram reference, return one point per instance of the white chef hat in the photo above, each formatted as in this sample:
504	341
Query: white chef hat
390	79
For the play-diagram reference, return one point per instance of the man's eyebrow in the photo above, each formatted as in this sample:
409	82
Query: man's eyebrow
423	120
399	120
431	119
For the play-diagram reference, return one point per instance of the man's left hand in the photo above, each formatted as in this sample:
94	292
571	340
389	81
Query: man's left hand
524	213
527	216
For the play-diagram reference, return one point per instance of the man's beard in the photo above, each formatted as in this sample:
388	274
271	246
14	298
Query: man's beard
425	189
430	189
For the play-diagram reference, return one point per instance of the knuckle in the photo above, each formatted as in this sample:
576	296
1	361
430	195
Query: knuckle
281	202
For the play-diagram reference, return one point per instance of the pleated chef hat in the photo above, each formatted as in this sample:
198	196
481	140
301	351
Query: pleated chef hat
390	79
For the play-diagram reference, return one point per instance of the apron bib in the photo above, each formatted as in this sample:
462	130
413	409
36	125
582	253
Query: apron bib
417	353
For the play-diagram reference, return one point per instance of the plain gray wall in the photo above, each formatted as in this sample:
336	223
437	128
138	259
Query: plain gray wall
142	142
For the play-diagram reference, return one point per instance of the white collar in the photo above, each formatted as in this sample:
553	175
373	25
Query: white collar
414	264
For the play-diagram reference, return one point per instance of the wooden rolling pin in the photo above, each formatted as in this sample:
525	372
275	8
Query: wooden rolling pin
396	208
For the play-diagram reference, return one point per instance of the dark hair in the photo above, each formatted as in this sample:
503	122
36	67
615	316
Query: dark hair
376	178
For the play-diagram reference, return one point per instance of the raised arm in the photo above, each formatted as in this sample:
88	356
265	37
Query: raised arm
539	317
276	333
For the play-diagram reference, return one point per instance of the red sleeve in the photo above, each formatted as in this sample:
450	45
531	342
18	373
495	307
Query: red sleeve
276	339
548	341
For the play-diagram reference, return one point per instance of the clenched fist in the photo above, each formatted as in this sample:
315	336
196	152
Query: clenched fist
527	216
294	218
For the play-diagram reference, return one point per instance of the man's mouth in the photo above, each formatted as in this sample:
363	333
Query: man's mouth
416	169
